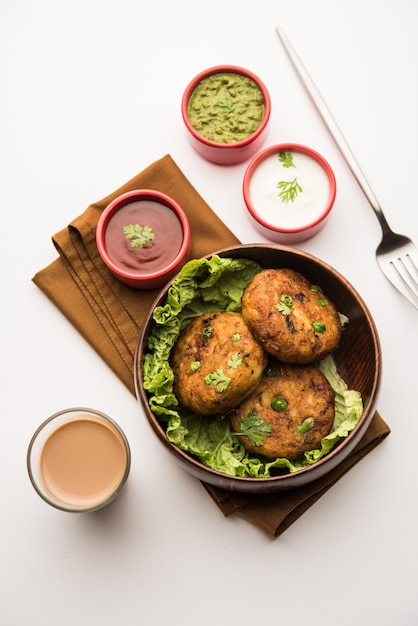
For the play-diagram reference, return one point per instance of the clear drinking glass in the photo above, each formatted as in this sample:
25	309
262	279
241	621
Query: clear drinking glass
78	460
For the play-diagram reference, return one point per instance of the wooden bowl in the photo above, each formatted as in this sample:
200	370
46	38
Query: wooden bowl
358	360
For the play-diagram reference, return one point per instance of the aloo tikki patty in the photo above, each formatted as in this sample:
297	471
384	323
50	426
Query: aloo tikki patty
292	319
289	412
216	362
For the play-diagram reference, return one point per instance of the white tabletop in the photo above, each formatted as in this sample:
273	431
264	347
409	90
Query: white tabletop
91	95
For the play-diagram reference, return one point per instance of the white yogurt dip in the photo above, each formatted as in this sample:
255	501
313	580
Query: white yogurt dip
289	190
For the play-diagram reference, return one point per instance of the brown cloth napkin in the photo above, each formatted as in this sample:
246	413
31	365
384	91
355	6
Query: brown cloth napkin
109	315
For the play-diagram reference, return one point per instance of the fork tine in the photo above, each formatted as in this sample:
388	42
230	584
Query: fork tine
412	257
401	284
405	275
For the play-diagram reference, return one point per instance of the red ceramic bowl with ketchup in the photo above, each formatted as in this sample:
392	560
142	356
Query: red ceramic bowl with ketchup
143	237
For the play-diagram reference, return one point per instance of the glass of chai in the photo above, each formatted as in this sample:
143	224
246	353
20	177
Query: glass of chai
78	460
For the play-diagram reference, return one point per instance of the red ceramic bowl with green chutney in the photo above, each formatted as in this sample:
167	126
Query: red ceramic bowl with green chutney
226	110
143	237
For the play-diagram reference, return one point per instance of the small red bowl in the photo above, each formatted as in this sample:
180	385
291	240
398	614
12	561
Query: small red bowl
143	237
234	151
289	191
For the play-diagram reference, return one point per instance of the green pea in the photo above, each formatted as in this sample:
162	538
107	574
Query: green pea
319	327
271	371
315	288
278	404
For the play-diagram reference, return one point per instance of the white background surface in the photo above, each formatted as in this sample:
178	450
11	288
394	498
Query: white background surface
90	95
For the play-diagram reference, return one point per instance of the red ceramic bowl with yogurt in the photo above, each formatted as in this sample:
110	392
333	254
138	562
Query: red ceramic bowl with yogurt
289	190
143	237
226	110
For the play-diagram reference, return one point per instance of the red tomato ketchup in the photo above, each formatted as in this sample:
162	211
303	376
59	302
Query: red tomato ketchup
156	252
143	236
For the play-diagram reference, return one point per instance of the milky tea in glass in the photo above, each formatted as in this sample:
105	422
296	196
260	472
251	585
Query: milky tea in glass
78	460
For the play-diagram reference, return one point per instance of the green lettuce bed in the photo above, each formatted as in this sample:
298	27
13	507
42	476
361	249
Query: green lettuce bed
217	284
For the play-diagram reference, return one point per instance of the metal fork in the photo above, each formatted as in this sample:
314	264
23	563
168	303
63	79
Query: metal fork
396	254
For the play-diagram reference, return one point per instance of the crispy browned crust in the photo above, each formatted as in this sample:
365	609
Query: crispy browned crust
290	336
228	346
308	395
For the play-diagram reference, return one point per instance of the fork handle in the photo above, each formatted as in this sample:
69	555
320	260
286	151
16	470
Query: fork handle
333	129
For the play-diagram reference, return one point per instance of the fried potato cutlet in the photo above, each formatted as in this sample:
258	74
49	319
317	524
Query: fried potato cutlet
216	362
296	403
291	318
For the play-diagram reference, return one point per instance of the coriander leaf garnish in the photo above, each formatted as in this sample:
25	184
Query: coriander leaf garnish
286	159
139	235
219	379
285	304
226	105
307	424
289	189
235	337
255	428
195	365
235	360
207	332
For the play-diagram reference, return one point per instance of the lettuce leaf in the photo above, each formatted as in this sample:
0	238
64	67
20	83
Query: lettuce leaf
203	286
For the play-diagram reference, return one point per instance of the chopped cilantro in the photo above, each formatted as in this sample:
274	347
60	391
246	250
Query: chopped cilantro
139	235
289	189
207	332
286	159
219	379
255	428
226	105
235	360
307	424
285	304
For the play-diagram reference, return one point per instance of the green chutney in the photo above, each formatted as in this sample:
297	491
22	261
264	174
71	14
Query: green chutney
226	107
